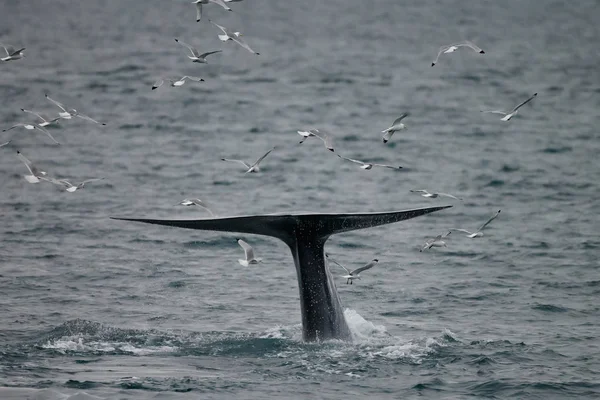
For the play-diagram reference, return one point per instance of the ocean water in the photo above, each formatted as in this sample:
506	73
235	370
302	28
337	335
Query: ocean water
96	308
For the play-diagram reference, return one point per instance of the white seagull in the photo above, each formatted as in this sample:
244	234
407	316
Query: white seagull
68	186
354	274
435	242
4	144
32	127
44	122
35	172
12	54
396	126
514	111
326	138
249	254
176	83
453	47
368	166
251	168
196	56
199	3
433	195
196	202
235	36
68	114
478	232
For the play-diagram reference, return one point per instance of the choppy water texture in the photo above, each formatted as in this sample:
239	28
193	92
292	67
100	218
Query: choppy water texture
95	307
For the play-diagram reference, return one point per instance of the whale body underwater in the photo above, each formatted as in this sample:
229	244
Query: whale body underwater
305	235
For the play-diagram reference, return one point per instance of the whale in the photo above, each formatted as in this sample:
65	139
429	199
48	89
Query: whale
305	234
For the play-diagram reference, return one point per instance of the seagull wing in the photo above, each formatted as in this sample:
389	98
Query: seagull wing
366	267
33	170
440	51
338	264
262	158
203	55
461	230
193	78
4	144
419	191
198	11
191	48
494	112
158	83
489	220
352	160
325	137
39	128
243	43
400	118
82	116
13	127
244	163
469	44
90	180
221	3
10	50
220	27
248	250
387	166
34	113
60	105
448	195
525	102
202	204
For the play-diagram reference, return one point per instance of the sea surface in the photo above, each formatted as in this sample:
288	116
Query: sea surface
94	308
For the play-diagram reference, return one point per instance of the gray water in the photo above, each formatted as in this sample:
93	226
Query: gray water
91	306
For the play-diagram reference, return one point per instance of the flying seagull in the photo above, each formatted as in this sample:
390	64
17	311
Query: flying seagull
196	56
196	202
251	168
326	138
32	127
12	54
478	232
44	122
435	242
453	47
68	114
514	111
199	3
367	166
176	83
249	254
396	126
433	195
35	172
68	186
354	274
235	36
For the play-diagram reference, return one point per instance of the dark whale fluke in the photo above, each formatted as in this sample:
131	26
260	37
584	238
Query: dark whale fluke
305	235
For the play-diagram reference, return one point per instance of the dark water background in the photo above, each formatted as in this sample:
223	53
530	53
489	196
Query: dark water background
111	309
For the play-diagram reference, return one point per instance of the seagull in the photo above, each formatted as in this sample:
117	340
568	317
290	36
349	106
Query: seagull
326	138
35	172
453	47
396	126
199	3
367	166
196	202
32	127
235	36
44	122
435	242
4	144
176	83
355	274
11	54
478	232
249	253
68	114
514	111
196	56
68	186
251	168
433	195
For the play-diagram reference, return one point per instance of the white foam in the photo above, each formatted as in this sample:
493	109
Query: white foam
361	329
79	345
